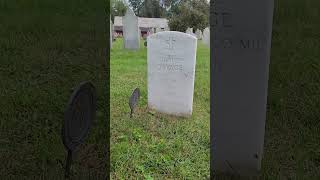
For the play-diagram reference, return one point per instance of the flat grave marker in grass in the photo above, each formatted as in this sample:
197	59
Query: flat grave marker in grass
239	80
171	72
131	31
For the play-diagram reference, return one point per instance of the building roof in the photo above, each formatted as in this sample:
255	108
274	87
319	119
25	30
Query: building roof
145	22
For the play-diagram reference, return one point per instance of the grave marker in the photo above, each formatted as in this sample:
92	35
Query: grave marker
78	117
241	40
190	31
206	36
171	72
111	32
131	31
133	100
199	34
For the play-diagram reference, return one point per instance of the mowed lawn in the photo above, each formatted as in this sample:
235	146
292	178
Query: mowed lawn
154	145
292	139
47	48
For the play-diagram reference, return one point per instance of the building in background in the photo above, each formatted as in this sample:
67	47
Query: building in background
145	25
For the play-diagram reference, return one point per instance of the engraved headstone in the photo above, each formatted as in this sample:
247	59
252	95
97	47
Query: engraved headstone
206	36
199	34
78	117
133	101
131	31
241	42
171	72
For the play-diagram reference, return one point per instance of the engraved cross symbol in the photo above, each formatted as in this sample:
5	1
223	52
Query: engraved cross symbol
170	42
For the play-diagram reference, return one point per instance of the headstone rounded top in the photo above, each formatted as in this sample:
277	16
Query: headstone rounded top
174	33
206	30
130	12
79	115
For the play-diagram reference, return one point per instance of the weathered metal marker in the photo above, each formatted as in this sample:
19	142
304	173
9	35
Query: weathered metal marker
240	42
79	114
133	101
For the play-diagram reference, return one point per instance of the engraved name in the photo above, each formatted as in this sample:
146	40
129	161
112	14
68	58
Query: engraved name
170	63
242	43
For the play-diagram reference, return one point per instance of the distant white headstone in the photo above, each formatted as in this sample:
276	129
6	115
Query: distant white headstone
171	72
111	33
206	36
131	31
190	31
199	34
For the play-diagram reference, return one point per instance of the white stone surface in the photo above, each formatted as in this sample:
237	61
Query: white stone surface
110	33
240	58
206	36
190	31
199	34
171	72
131	31
158	29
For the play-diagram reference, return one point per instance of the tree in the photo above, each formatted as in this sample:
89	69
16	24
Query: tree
147	8
151	9
118	8
136	5
189	13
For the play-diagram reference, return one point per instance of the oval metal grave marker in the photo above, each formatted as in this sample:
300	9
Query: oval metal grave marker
133	101
78	118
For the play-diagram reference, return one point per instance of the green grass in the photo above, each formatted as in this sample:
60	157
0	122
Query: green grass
292	139
47	48
156	145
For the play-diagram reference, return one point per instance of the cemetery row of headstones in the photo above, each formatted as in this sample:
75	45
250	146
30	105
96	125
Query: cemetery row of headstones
239	76
132	33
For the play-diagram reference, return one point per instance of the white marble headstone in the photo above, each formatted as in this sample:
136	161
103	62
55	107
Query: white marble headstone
131	31
111	38
171	72
241	43
190	31
206	36
199	34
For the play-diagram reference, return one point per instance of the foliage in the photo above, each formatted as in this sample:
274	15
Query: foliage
118	8
136	5
47	48
147	8
189	13
151	9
